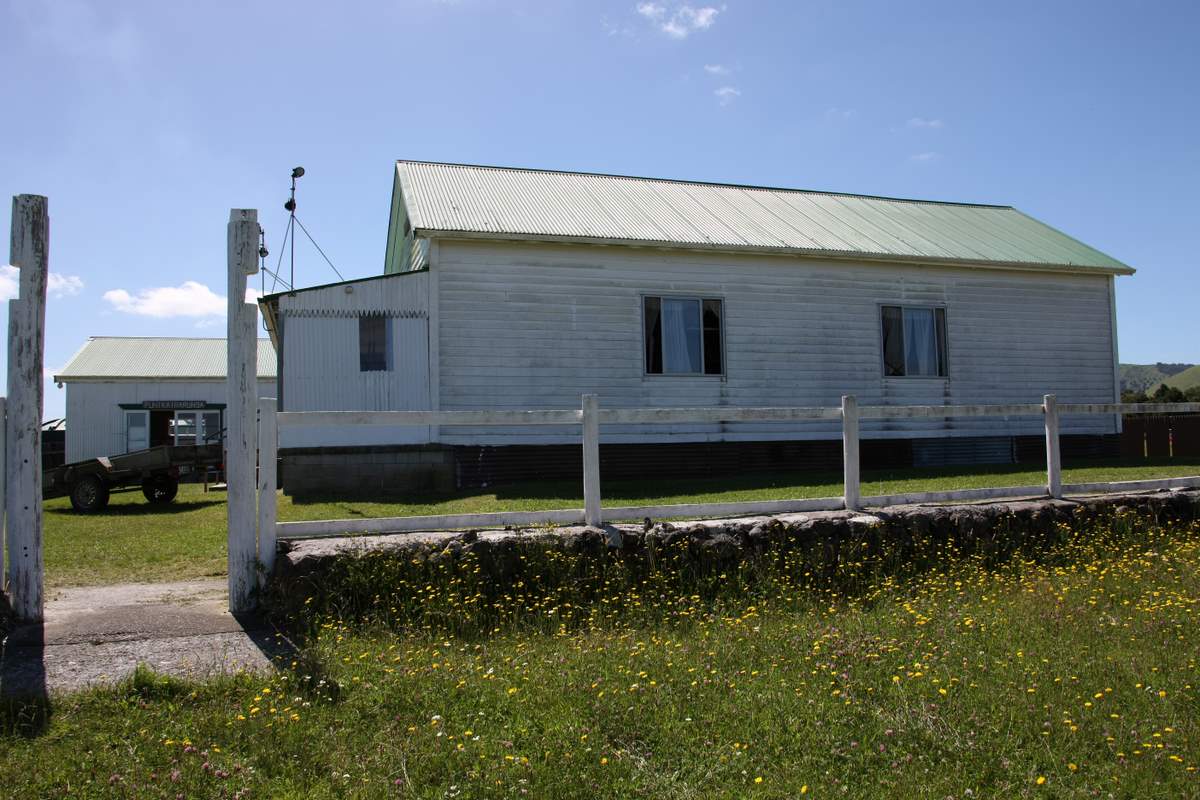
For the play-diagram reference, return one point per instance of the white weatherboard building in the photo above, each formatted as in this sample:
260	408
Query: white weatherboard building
129	393
523	289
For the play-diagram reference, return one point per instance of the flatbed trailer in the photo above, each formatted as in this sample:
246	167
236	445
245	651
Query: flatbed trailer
157	470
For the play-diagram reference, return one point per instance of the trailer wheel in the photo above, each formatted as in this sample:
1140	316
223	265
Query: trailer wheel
160	490
89	493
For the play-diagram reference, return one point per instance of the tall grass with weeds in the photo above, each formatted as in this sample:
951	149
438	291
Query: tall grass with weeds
551	584
976	666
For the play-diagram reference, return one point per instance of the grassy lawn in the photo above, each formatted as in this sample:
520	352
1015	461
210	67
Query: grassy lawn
130	541
1067	673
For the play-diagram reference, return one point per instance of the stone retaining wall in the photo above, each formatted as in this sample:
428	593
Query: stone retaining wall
301	563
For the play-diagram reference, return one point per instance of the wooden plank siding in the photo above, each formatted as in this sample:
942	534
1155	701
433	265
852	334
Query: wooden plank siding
321	359
538	325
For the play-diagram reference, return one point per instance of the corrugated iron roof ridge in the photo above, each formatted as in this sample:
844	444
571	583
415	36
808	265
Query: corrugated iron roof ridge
549	203
907	219
692	182
758	199
157	357
1082	244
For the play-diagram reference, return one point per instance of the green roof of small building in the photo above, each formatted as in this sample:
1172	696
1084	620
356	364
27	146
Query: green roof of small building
157	358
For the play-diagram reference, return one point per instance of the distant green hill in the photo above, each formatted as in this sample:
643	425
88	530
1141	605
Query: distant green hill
1187	379
1146	377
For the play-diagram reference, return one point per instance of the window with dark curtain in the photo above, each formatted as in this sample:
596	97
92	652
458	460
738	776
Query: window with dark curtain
683	336
943	365
712	337
653	317
373	344
893	341
914	341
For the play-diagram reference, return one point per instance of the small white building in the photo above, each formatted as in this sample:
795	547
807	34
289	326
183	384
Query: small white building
129	393
523	289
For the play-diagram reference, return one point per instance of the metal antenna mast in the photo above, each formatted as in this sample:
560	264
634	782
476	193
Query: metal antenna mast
290	205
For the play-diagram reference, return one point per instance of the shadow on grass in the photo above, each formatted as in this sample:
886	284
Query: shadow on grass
24	697
140	509
568	493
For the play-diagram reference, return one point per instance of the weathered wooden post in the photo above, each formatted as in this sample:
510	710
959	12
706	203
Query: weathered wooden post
3	483
242	387
591	461
268	449
1053	453
30	253
852	491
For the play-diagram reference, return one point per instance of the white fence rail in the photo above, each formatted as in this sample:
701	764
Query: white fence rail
590	416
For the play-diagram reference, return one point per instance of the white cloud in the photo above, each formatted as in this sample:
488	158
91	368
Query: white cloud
63	285
189	299
680	20
839	113
727	94
8	282
921	122
57	285
652	11
924	158
716	69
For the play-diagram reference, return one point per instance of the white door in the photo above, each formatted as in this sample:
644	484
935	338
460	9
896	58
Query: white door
137	430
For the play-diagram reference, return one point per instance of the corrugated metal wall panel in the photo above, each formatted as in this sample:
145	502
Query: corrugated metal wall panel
321	358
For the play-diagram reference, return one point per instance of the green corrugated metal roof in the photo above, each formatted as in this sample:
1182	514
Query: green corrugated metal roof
450	199
177	358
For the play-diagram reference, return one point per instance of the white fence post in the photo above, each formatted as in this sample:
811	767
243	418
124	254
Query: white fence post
852	492
1053	453
29	253
268	449
242	387
591	461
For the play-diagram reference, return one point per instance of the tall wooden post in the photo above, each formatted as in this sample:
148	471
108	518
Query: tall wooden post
30	253
591	461
268	448
242	387
852	490
3	482
1053	453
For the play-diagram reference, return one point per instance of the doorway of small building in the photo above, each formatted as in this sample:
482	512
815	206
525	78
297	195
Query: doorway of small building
156	427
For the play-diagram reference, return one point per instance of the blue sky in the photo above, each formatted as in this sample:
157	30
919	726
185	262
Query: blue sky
144	122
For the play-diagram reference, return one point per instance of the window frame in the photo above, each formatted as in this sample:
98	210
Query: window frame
699	298
944	349
388	354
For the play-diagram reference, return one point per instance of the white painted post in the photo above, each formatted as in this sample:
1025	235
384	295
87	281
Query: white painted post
1053	453
591	461
852	491
268	449
242	386
30	253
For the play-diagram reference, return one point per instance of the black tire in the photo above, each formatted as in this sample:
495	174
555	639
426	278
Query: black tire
89	493
160	491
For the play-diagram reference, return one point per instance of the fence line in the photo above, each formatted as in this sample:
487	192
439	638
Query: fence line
590	416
